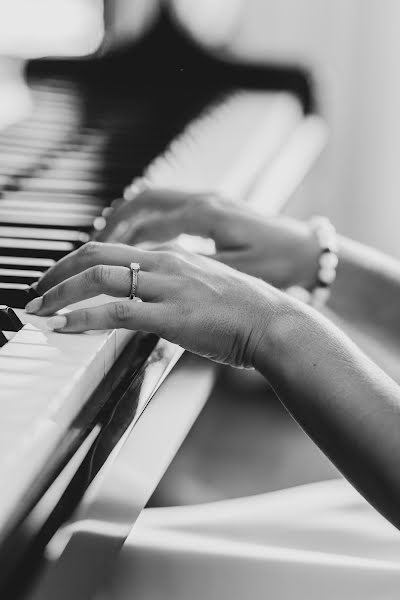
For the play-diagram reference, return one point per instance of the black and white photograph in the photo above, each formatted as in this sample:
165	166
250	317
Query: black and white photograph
199	299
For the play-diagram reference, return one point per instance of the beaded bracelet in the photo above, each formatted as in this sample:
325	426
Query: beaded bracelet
327	264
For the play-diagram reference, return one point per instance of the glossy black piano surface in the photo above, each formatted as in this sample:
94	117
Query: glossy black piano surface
96	124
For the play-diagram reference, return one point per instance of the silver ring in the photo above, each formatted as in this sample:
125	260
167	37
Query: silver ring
135	268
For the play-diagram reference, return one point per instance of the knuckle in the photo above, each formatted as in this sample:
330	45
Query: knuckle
168	259
85	318
89	251
120	312
166	247
55	295
97	276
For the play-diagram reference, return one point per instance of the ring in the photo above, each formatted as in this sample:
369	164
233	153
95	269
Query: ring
135	268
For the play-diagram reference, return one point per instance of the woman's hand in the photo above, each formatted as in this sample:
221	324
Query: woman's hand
198	303
347	405
279	250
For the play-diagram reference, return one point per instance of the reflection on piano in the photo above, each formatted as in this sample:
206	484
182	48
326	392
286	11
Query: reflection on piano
71	404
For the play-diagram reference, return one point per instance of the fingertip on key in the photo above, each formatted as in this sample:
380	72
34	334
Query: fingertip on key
57	322
34	305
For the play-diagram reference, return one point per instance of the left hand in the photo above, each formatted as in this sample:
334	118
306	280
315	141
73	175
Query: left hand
198	303
279	250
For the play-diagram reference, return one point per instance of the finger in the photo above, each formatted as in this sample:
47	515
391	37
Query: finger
116	222
162	199
169	246
105	224
164	216
89	255
138	316
160	214
157	228
121	219
101	279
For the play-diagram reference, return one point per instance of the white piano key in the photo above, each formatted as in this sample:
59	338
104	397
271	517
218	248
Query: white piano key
9	334
17	366
45	263
44	234
30	334
38	351
79	360
37	244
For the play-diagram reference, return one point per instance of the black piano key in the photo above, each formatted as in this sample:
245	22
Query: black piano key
3	339
38	248
16	295
9	321
30	294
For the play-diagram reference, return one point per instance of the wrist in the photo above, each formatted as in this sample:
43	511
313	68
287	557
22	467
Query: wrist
280	337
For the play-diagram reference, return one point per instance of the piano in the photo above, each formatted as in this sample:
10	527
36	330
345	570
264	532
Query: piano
90	422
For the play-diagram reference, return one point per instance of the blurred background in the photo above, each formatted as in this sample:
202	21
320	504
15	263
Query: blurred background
351	48
243	443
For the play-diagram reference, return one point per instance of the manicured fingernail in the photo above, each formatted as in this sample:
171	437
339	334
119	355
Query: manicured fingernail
57	322
34	305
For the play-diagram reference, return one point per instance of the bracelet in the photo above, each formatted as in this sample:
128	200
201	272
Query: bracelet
327	265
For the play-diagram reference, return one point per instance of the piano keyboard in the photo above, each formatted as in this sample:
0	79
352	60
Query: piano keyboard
56	178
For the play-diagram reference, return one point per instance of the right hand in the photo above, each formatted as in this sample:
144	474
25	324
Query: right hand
202	305
279	250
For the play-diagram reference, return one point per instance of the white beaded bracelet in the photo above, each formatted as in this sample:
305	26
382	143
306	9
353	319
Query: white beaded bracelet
327	264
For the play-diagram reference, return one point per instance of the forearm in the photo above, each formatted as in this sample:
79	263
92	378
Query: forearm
367	291
342	400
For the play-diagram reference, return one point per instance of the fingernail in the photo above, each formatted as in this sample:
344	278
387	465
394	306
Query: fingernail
34	305
57	322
